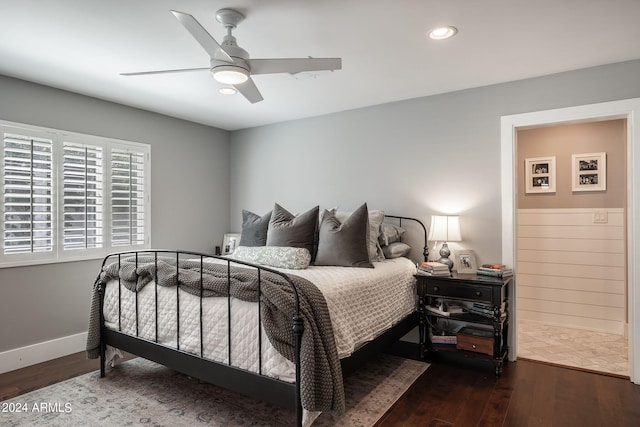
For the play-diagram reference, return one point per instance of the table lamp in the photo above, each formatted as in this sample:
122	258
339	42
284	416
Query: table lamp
445	229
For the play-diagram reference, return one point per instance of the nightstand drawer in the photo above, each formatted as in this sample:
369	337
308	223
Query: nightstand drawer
475	340
452	290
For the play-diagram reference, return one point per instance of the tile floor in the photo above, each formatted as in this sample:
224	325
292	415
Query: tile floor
596	351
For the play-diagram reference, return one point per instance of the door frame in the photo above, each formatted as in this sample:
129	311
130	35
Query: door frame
624	109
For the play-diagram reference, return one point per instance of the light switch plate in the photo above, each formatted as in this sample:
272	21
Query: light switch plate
600	217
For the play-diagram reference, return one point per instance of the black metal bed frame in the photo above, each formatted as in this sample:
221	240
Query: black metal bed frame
254	384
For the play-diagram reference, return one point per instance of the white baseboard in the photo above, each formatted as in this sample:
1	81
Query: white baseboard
41	352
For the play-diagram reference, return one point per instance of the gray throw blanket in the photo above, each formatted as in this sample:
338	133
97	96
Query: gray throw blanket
321	374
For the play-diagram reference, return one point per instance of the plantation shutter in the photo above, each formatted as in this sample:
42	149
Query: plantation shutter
27	194
127	198
83	196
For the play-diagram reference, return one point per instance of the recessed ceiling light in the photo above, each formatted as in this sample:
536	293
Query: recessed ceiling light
441	33
227	90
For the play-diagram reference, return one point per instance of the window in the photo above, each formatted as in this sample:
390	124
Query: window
71	196
28	190
82	199
127	198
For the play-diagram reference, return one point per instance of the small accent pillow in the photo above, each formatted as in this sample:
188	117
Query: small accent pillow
389	233
274	256
395	250
254	229
344	243
286	229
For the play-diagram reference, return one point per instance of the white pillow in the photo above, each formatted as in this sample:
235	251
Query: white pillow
274	256
396	250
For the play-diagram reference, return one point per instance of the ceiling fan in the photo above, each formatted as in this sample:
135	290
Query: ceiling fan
231	65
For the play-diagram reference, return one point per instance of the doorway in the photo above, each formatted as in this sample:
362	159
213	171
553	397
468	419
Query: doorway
570	244
626	109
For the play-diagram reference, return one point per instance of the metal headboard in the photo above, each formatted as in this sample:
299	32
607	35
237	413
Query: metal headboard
425	250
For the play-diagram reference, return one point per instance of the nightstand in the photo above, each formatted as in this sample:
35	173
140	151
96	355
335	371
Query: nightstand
484	336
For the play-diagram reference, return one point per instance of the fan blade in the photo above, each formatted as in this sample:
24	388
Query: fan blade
249	90
293	65
202	36
182	70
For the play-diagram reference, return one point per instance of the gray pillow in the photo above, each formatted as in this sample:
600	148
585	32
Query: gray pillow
254	229
344	243
375	221
286	229
396	250
389	233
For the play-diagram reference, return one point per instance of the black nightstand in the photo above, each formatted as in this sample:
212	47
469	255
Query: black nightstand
486	336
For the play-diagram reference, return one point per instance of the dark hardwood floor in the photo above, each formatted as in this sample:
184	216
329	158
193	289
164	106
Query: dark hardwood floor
31	378
527	394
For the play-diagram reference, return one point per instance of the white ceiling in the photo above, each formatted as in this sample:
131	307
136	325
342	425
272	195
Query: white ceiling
83	45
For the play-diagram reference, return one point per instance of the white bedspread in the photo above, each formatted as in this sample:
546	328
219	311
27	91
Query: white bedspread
362	303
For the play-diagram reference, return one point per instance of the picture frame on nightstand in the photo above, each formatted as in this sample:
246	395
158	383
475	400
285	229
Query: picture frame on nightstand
465	261
230	243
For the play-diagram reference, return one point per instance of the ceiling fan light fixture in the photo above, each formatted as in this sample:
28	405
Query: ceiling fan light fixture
230	75
227	90
441	33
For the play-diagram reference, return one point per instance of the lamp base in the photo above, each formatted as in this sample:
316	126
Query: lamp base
444	256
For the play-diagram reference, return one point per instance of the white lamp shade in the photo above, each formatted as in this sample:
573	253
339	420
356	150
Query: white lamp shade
445	229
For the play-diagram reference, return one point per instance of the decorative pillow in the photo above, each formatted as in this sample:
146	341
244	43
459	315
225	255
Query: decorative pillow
254	229
286	229
274	256
395	250
375	221
389	233
344	243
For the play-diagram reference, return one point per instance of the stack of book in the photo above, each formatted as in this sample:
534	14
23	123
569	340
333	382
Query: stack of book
495	270
433	268
443	339
485	310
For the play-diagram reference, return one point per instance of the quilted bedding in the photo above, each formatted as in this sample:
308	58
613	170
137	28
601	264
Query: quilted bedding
362	304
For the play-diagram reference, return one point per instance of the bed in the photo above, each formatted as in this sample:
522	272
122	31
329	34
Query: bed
283	335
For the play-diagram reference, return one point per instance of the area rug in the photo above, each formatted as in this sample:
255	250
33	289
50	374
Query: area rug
142	392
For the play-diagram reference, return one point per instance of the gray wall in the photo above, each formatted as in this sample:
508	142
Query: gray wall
437	154
431	155
189	201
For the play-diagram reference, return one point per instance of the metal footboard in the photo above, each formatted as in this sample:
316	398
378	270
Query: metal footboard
254	384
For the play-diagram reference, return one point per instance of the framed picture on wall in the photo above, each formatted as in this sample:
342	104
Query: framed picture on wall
540	174
589	172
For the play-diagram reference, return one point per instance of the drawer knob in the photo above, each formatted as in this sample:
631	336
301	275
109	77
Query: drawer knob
474	346
436	289
478	293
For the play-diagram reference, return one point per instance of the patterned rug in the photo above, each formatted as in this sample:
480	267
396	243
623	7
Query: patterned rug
142	392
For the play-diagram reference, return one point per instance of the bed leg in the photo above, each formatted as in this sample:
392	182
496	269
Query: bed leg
103	359
103	346
298	329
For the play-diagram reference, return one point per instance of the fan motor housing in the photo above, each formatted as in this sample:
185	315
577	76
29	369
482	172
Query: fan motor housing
237	62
